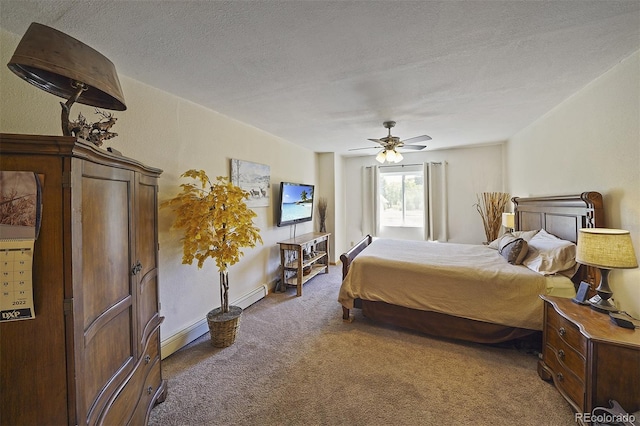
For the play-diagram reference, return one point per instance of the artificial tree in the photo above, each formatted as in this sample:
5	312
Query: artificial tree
216	224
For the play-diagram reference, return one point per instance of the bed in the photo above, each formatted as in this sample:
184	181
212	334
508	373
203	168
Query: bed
463	291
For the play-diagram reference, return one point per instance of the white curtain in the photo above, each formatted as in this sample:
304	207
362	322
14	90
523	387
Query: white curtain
436	215
370	216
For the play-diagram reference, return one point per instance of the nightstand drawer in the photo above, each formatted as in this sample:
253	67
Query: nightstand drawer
565	380
566	330
568	356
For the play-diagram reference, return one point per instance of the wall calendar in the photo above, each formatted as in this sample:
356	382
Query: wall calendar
20	215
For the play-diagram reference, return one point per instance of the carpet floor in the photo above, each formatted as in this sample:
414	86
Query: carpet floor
295	362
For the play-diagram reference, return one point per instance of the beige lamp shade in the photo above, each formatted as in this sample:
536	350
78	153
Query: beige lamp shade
606	248
508	220
54	62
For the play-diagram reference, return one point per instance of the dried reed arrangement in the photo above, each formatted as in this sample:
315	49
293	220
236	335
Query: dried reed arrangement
322	213
491	205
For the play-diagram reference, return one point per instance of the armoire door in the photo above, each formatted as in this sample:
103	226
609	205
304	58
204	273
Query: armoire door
104	301
146	255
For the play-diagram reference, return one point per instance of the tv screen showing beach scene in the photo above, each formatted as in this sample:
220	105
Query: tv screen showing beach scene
296	203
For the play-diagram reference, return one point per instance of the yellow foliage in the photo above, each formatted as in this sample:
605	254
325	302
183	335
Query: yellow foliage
215	219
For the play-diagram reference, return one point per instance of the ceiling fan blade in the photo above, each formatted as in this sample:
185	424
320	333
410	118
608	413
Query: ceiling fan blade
413	147
369	147
417	139
380	141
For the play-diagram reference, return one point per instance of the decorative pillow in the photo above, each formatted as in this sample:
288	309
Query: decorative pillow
495	244
549	254
513	249
525	235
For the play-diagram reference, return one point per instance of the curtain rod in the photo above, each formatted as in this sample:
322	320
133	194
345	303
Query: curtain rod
403	165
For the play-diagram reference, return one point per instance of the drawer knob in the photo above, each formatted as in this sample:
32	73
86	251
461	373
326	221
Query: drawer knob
147	359
149	390
562	331
560	376
561	354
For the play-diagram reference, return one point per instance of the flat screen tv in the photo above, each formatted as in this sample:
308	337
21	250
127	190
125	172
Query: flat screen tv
296	203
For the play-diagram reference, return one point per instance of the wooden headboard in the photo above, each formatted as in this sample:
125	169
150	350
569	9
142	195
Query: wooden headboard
561	216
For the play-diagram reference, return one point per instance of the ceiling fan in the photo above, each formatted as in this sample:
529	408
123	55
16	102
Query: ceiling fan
390	145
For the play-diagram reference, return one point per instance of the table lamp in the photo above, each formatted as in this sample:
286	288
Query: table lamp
605	249
509	221
61	65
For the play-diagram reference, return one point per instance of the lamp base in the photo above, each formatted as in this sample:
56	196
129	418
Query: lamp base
602	305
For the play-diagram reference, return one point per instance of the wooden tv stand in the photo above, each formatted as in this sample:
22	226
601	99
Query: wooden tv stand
303	257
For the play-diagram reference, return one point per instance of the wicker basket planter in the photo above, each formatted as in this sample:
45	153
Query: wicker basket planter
223	326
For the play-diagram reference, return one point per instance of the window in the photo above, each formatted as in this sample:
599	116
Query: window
401	196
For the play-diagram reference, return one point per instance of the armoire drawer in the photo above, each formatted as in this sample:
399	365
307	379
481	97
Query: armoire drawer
134	390
150	389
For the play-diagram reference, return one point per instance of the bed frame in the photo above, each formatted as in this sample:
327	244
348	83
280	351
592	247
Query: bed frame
562	216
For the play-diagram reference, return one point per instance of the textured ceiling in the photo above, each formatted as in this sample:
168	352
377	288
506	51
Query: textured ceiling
326	74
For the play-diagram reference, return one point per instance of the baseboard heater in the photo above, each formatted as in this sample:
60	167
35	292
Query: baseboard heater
191	333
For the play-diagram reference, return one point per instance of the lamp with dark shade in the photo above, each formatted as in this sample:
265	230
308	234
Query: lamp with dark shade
605	249
61	65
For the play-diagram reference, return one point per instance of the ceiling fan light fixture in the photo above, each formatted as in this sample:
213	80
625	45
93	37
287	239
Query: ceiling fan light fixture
390	143
391	156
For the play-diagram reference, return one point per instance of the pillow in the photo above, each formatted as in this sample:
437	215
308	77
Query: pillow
525	235
513	249
549	254
495	244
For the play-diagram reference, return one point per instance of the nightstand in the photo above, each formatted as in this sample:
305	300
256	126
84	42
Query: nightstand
590	359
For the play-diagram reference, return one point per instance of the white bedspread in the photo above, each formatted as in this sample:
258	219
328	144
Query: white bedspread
469	281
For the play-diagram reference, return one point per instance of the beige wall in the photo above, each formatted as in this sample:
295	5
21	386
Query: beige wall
168	132
326	182
590	142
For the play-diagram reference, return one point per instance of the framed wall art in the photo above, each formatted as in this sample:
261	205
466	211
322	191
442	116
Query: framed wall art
255	178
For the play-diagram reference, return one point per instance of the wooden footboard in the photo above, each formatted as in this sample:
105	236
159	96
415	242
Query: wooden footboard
346	259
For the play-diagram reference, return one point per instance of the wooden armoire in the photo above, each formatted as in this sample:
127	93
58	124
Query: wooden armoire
91	355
